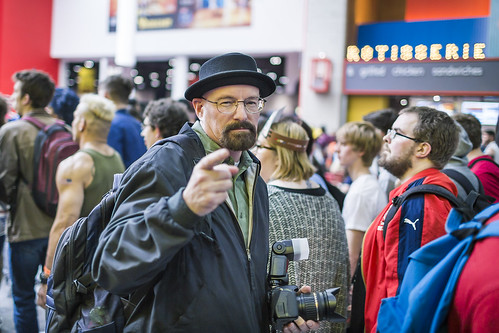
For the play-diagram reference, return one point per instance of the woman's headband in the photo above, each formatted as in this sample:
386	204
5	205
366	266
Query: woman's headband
279	139
287	142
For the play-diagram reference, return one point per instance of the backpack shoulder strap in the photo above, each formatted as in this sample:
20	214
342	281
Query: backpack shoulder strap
460	178
425	188
490	230
482	158
36	122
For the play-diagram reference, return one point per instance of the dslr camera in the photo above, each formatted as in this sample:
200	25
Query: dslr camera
285	304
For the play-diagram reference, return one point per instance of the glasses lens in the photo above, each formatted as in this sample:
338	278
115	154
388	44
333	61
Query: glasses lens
251	105
227	106
392	134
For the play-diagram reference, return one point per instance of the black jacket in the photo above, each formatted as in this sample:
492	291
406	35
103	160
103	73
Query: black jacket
205	278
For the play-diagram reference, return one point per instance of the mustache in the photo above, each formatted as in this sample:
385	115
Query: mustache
240	124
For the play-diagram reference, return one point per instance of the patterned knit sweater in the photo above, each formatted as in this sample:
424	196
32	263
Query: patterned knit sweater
315	215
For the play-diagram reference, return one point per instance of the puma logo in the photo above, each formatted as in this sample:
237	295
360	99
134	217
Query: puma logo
406	220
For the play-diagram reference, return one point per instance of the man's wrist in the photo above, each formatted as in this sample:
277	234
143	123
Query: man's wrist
43	277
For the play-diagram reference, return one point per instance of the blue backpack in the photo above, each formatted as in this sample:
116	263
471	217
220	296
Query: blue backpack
427	290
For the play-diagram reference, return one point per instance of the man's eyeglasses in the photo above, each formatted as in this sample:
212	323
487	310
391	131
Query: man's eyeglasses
227	106
393	133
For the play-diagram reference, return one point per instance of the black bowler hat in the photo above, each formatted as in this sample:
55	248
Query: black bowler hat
230	69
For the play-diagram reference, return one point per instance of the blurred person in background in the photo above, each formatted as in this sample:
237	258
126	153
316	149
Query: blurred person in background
162	118
459	163
83	178
357	145
480	164
490	148
63	104
4	213
383	120
488	136
28	228
124	135
300	208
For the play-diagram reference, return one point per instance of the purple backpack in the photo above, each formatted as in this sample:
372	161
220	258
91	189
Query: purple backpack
53	144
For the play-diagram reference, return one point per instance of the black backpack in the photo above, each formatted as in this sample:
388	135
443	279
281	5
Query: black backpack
75	303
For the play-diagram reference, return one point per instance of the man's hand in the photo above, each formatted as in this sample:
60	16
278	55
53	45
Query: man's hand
300	325
41	296
209	182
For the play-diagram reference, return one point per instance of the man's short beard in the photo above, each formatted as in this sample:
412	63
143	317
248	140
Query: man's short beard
239	141
396	166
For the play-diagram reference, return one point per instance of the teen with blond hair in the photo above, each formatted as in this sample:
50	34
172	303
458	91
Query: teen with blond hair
358	143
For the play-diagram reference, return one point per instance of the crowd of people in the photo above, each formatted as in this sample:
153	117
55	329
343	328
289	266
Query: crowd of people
196	214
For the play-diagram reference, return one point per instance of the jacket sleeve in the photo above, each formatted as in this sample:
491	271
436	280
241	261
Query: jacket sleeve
420	220
150	224
9	165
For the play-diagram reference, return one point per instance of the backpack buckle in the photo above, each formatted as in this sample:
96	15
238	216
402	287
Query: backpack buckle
80	287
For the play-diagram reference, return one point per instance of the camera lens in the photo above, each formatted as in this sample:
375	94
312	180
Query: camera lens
318	306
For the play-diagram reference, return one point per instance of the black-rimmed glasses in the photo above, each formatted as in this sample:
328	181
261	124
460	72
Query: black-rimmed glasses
393	133
227	106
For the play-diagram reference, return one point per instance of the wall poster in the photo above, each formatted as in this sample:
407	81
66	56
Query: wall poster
184	14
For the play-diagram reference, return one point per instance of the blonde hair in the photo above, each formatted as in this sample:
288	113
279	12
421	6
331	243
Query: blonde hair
98	112
291	165
363	137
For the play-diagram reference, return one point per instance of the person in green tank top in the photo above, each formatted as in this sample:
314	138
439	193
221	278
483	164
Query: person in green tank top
83	178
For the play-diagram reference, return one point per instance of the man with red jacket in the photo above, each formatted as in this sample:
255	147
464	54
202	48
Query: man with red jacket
421	142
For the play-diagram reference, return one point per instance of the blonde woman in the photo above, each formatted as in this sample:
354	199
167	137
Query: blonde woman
300	208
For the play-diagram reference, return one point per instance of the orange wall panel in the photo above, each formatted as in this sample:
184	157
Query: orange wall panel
423	10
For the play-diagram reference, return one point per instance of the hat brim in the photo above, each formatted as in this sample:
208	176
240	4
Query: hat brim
263	82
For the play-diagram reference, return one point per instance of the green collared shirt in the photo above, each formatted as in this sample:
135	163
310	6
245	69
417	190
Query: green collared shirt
238	195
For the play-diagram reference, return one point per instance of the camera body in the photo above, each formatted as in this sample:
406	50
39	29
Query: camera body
285	304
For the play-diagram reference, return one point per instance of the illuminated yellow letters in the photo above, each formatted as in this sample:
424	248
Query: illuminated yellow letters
353	53
451	51
435	51
381	49
366	53
466	51
394	53
406	52
421	52
478	51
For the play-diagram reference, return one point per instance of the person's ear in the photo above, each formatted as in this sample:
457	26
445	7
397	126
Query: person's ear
157	133
197	103
25	100
423	150
82	124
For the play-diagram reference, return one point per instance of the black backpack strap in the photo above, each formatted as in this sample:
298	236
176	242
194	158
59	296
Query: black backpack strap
482	158
475	200
459	178
425	188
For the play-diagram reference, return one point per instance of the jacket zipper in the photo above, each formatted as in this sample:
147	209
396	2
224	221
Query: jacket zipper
69	259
